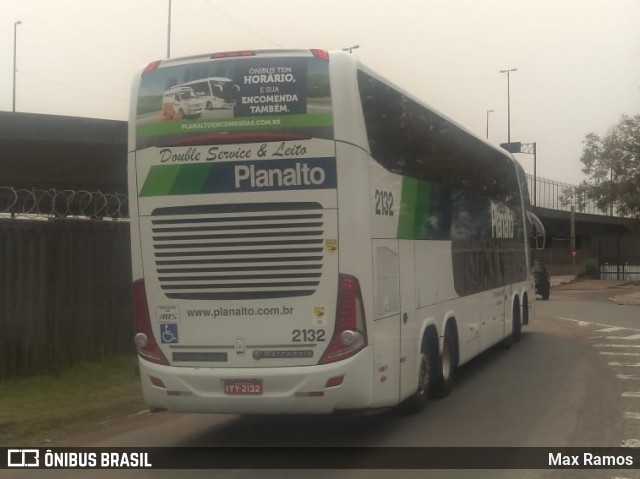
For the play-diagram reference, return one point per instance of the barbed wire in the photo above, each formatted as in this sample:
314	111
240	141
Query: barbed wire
52	203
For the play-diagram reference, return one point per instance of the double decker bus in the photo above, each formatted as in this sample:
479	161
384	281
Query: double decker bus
329	243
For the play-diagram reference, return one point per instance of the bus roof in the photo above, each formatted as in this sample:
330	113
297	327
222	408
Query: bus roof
218	79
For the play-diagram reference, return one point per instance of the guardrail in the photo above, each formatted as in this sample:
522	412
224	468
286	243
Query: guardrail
557	195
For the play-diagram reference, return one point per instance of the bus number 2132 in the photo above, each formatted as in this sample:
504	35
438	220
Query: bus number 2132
384	203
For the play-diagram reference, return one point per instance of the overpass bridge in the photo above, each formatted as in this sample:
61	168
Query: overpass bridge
50	163
586	234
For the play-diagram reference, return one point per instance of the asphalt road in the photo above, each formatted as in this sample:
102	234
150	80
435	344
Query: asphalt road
573	380
589	301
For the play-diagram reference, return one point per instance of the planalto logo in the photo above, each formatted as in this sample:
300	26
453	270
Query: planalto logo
301	174
502	222
234	177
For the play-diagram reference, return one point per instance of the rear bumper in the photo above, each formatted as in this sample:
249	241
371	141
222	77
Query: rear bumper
286	390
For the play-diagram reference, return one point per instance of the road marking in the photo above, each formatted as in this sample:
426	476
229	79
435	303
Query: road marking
618	353
609	330
580	323
627	377
617	345
627	338
601	325
631	443
631	415
631	365
631	394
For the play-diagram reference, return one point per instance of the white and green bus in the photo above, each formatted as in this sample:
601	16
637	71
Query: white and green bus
329	243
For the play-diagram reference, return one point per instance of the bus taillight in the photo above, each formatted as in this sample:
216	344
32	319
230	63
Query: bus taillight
350	334
144	340
321	54
151	67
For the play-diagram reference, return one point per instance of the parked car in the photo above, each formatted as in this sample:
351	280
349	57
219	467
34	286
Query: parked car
541	277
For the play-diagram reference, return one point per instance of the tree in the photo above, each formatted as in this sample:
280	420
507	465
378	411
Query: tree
612	164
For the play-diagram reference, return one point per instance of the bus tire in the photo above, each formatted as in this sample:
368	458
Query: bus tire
418	401
516	332
525	310
545	293
445	364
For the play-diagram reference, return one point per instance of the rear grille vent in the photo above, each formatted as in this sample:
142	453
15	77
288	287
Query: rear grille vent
240	251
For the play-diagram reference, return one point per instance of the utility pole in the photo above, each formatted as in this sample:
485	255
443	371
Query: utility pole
15	38
488	111
169	33
508	101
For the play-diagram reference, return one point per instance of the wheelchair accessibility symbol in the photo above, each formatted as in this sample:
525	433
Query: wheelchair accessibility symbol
169	333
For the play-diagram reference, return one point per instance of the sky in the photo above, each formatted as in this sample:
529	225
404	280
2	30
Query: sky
578	61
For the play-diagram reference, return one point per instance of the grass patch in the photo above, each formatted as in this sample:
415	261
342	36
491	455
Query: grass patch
47	407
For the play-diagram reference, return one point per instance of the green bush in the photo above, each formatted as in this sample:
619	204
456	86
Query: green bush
590	268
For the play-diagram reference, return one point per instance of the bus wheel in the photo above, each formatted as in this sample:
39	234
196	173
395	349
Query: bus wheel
446	365
525	310
517	323
418	401
209	106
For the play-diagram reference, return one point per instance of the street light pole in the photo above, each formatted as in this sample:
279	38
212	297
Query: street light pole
508	102
351	48
15	38
169	32
488	111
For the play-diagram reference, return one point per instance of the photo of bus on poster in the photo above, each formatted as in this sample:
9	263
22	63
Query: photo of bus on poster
223	100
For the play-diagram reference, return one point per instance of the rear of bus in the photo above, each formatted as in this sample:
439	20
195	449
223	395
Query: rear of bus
239	301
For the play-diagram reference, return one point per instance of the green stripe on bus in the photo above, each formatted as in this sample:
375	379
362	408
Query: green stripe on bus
191	178
160	180
406	218
415	208
422	211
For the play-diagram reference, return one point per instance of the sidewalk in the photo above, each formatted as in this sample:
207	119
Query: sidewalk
632	298
622	292
558	280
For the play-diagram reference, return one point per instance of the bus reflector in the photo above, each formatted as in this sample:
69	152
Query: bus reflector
148	349
157	382
350	333
334	382
321	54
310	394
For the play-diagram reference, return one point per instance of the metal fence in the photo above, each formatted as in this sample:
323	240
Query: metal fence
620	272
64	293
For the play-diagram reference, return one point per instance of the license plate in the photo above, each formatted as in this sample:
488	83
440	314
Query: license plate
243	387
